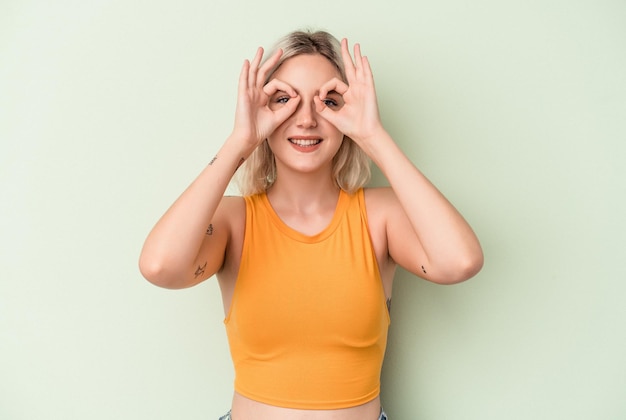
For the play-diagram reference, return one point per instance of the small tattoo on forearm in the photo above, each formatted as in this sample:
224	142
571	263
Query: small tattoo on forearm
200	270
423	269
213	160
209	230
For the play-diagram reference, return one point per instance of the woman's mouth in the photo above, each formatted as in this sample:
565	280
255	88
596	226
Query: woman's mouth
305	142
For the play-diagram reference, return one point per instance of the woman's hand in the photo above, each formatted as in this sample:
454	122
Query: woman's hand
254	120
358	118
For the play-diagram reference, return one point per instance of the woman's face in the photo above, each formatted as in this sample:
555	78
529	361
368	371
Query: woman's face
305	141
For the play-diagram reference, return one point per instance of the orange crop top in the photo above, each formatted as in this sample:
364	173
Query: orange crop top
307	326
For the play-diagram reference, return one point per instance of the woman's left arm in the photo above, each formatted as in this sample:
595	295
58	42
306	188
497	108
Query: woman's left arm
426	234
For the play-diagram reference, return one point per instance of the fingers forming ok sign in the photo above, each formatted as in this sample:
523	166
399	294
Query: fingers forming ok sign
254	120
358	118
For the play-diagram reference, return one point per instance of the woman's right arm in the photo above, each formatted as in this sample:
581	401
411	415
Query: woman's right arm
187	245
171	256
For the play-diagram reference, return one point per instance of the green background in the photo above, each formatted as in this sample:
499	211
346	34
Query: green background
515	110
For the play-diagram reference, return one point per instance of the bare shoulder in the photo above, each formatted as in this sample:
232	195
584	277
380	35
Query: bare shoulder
390	225
378	193
379	201
382	207
231	211
233	203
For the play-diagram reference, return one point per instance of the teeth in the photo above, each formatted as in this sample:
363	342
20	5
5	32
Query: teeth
305	143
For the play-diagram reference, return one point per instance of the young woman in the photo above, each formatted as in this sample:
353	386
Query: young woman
305	258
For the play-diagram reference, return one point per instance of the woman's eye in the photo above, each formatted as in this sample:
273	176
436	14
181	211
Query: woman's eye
330	103
282	100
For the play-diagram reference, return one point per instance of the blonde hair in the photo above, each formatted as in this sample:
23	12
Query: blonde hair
351	166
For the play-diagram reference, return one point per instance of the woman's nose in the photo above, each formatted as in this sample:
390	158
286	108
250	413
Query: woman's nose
306	115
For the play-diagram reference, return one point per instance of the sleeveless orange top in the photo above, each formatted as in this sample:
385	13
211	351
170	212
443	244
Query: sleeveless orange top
307	327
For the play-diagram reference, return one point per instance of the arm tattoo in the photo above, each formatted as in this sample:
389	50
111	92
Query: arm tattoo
213	160
200	270
209	230
423	269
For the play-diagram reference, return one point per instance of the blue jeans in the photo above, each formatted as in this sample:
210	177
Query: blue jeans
383	416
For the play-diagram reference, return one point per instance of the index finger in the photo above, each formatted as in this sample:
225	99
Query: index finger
347	60
253	67
276	85
333	84
267	66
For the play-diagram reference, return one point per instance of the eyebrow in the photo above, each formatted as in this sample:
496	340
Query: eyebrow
330	92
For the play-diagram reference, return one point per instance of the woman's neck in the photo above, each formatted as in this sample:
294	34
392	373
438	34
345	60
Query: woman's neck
304	193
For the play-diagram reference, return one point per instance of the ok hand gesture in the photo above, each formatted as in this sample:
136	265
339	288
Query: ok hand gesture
254	120
358	118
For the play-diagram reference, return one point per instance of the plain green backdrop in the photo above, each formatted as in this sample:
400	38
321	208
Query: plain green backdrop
515	109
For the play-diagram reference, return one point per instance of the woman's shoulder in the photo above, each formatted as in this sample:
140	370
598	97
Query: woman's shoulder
378	196
378	202
233	200
232	208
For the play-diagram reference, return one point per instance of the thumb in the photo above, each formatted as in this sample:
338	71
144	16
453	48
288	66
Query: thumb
326	113
285	111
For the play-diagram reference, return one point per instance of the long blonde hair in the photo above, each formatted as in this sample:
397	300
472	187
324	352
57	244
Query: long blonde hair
351	166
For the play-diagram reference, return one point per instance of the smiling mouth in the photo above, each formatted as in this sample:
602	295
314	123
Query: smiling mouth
305	142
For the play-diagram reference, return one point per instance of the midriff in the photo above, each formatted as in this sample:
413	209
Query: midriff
244	408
